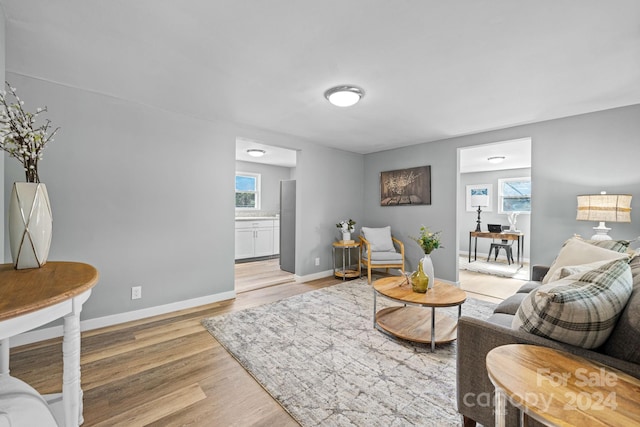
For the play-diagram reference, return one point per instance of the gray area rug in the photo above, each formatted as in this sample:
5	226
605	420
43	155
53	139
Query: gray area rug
319	356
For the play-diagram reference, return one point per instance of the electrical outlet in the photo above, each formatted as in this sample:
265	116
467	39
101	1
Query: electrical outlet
317	261
136	292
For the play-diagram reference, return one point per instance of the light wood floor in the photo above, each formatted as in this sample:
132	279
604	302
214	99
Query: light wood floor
169	371
488	288
260	274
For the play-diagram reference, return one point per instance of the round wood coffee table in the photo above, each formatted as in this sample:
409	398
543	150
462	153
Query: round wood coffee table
410	321
557	388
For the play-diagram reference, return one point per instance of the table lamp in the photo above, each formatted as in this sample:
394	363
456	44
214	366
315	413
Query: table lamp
604	207
479	199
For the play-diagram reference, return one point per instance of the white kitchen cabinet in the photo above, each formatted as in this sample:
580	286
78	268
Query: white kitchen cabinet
254	238
263	243
244	242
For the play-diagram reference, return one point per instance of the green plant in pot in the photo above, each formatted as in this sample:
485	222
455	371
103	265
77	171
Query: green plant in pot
423	278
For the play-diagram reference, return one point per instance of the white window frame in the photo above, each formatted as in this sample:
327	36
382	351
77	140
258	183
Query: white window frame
501	183
257	192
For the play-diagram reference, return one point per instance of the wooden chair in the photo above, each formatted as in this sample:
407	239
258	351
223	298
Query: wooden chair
391	255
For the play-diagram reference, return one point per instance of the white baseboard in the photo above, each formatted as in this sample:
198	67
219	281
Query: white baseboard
115	319
314	276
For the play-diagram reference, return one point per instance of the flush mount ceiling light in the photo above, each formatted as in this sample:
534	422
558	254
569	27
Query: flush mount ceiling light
254	152
496	159
344	96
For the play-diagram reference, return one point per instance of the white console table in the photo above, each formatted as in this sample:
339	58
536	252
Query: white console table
33	297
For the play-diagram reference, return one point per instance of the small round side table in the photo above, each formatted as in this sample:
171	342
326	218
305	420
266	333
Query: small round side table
347	271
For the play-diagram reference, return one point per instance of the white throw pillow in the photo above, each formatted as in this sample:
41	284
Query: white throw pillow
576	251
379	239
581	309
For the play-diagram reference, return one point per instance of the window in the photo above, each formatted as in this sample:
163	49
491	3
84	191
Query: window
247	190
514	195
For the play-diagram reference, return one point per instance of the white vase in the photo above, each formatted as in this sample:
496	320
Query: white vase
427	266
30	225
346	236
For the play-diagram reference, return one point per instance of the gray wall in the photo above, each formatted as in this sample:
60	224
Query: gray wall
270	177
130	197
467	220
405	221
570	156
329	188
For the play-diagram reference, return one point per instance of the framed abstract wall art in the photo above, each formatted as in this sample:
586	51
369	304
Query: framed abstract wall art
479	195
406	187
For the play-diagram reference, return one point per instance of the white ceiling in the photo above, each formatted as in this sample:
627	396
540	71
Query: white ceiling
431	69
516	153
275	156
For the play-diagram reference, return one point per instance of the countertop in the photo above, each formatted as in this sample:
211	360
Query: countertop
255	218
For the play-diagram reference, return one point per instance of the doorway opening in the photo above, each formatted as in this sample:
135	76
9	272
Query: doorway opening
494	217
262	257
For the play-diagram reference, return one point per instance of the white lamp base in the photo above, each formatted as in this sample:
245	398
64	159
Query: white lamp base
601	232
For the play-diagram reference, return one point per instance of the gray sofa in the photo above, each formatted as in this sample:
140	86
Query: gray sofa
477	337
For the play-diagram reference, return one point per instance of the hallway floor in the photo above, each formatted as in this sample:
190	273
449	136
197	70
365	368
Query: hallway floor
260	274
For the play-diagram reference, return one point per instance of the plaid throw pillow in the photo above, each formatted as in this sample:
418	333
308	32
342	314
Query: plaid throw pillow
577	251
581	309
613	245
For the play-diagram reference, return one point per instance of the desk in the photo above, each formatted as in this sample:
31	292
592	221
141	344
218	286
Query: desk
34	297
499	236
557	388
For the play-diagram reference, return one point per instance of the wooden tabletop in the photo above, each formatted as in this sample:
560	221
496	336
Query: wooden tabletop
564	389
342	244
441	295
506	235
24	291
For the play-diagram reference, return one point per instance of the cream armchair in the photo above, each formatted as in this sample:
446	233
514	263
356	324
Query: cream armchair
379	249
